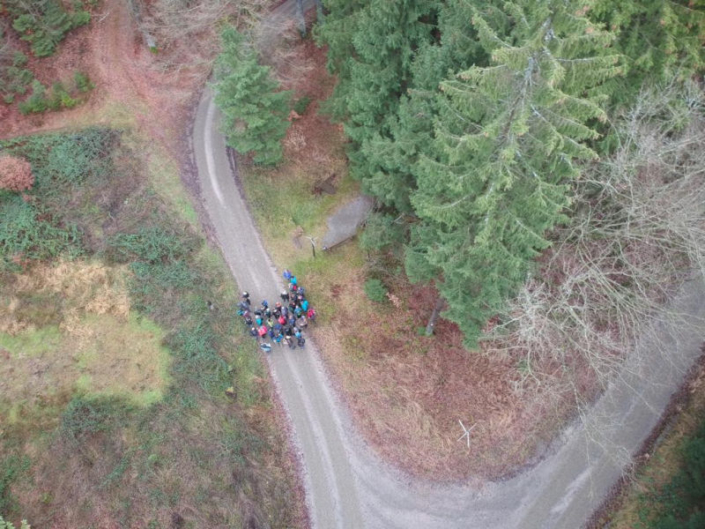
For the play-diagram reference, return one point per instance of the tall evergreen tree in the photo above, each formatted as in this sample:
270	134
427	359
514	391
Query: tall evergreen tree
392	158
255	110
508	137
372	44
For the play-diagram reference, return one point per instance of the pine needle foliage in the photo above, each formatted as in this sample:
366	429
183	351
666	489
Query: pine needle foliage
662	39
508	137
14	77
255	110
372	48
472	119
44	23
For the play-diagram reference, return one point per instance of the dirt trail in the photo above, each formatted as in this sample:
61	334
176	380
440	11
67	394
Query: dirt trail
130	87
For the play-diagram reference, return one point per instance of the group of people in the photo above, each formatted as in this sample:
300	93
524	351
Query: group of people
283	323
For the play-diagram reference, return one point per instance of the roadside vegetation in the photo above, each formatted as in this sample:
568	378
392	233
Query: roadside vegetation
668	491
128	393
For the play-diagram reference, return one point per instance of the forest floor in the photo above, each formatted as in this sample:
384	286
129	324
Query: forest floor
82	335
406	392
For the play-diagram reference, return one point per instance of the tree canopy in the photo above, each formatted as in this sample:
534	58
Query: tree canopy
476	131
255	110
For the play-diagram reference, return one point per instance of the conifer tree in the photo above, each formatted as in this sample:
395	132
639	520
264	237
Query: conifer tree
392	159
255	110
508	137
662	39
372	44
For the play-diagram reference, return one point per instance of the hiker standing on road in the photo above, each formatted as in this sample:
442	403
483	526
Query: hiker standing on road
301	323
285	321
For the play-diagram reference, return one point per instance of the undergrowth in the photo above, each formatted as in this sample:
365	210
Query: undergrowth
197	458
58	98
14	77
680	504
45	23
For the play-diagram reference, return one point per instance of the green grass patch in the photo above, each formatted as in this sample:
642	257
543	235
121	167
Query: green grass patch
281	204
669	490
33	343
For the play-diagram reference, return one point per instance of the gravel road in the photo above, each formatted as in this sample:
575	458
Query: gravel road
347	486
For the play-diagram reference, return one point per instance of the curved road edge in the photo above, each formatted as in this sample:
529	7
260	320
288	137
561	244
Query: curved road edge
347	486
307	399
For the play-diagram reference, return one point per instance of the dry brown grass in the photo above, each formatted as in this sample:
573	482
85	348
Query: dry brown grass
91	343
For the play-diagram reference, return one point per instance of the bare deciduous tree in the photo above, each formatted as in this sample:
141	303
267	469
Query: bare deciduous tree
638	232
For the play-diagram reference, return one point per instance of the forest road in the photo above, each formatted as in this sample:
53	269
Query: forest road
347	486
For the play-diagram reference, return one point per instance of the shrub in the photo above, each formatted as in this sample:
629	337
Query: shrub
40	101
44	23
14	77
37	101
8	525
15	174
82	82
301	105
375	290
